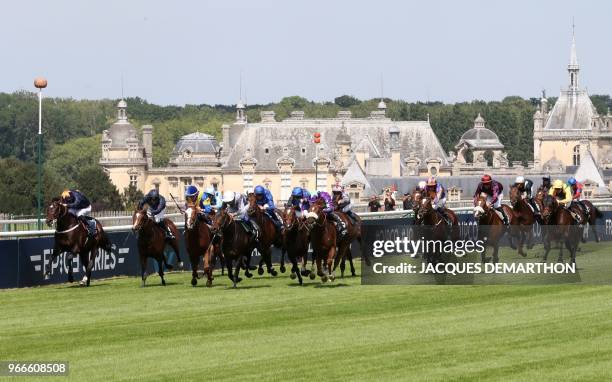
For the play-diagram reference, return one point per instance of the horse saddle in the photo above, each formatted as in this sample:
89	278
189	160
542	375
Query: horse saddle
444	215
250	227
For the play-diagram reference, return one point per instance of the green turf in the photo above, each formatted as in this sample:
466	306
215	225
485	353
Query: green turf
271	329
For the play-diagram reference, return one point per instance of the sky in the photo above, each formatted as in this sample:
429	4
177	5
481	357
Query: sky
194	52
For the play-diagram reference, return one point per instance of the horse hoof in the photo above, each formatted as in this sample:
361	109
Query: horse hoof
523	254
283	269
194	282
332	277
180	265
353	274
486	260
164	282
273	272
304	273
239	279
341	275
47	277
323	279
260	271
142	284
312	275
82	283
292	276
248	274
208	283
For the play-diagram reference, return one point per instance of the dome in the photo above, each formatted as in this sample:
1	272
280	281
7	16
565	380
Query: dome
120	133
480	138
382	104
554	165
197	143
479	119
122	104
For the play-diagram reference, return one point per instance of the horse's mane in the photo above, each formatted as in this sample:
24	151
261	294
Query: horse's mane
55	199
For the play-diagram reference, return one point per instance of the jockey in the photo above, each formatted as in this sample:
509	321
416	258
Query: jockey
493	189
545	183
79	206
561	192
205	202
439	201
344	201
265	201
299	199
576	190
235	203
329	211
421	187
525	187
156	209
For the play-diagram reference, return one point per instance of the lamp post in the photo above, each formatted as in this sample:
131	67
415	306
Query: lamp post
40	83
316	140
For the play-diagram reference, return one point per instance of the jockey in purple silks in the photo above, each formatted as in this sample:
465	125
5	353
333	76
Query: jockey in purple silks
329	209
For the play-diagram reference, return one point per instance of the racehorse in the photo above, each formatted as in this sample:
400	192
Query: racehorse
491	225
152	243
322	239
353	233
296	243
525	218
436	227
71	237
199	242
236	244
566	230
267	235
589	217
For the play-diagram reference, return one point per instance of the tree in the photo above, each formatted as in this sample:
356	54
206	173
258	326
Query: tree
346	101
130	197
96	185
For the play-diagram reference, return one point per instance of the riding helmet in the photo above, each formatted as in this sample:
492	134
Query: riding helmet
259	190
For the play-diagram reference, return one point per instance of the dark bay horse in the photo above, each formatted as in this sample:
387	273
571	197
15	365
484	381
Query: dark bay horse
435	226
491	226
152	243
267	235
71	237
590	217
296	243
199	243
322	239
353	233
565	230
236	244
525	218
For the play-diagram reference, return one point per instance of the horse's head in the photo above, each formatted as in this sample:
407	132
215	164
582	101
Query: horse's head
481	207
190	216
138	219
417	195
220	221
549	206
515	196
289	217
315	212
55	211
252	202
424	208
539	197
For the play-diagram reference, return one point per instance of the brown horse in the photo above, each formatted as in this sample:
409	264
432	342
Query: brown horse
71	237
237	244
491	227
344	244
322	239
564	228
296	243
525	218
435	225
199	243
267	235
589	214
152	243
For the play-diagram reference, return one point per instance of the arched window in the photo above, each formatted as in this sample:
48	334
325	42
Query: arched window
576	155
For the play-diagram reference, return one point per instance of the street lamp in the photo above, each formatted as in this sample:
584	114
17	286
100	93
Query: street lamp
40	83
316	140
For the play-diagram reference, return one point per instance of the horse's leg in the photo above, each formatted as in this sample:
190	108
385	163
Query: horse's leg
84	257
143	269
160	269
332	262
92	262
295	269
521	242
560	259
208	267
594	229
228	265
237	279
267	257
260	270
195	261
282	260
319	260
349	255
68	258
247	265
175	247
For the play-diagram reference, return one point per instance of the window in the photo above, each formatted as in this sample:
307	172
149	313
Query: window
433	170
133	180
587	194
454	194
267	150
303	150
354	195
576	155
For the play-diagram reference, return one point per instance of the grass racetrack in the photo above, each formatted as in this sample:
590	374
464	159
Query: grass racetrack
272	329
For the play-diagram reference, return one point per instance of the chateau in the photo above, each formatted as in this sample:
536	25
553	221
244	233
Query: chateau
367	155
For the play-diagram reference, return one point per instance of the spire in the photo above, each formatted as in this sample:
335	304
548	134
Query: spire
240	107
573	68
121	111
382	105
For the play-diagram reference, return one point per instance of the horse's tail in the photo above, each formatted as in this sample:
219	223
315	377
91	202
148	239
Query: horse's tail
105	242
598	213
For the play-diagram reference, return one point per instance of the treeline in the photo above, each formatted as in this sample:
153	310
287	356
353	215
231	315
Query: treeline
72	128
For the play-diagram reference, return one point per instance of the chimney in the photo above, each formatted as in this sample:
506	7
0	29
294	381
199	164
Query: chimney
268	116
147	142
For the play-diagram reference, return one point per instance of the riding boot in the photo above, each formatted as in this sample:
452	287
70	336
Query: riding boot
340	226
503	213
351	216
534	205
442	213
164	226
90	223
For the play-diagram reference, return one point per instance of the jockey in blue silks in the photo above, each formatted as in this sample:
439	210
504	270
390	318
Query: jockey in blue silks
264	199
300	200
